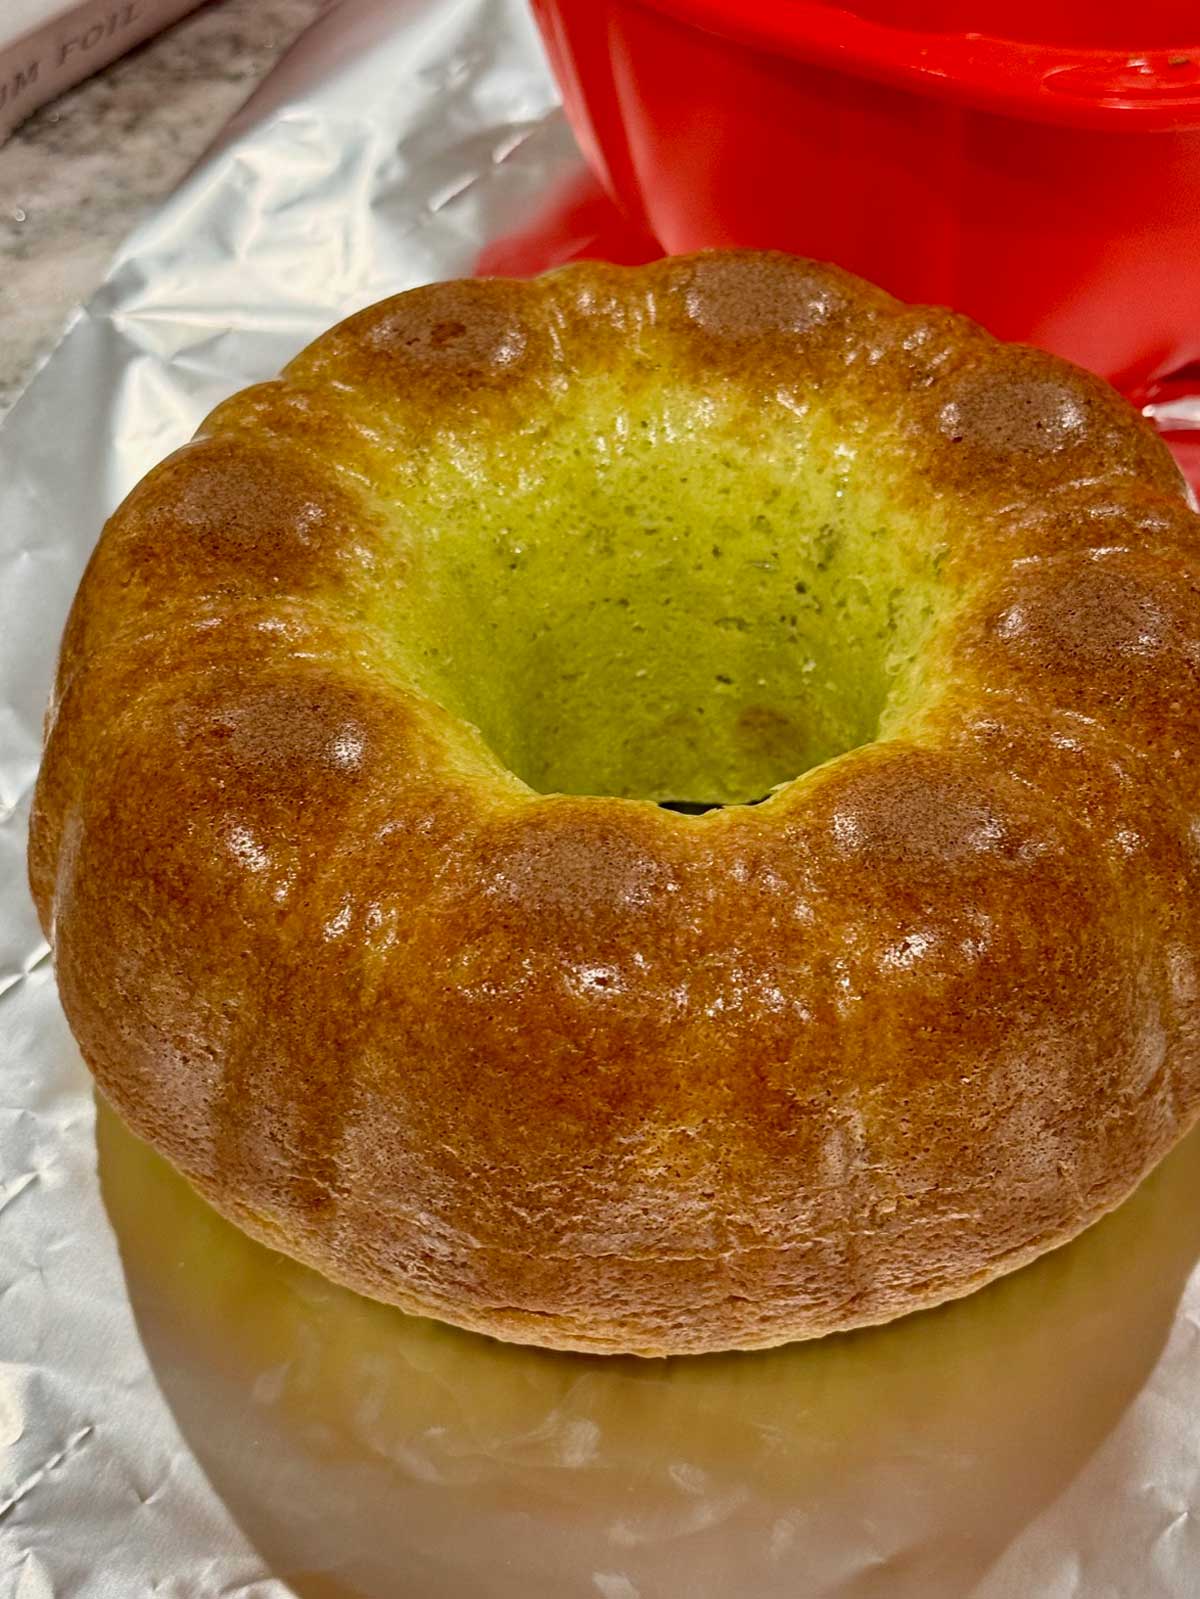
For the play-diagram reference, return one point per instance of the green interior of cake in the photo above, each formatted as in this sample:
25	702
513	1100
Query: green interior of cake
662	594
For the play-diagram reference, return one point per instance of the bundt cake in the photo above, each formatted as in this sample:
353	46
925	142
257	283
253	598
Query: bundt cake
371	836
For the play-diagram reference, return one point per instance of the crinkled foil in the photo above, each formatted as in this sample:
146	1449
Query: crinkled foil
184	1414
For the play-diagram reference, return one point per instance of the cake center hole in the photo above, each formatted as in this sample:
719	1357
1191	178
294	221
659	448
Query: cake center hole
698	807
690	605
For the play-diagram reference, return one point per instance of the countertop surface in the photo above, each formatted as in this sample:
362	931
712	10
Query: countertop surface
77	176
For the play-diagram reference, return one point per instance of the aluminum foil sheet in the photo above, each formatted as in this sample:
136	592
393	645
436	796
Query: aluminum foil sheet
184	1414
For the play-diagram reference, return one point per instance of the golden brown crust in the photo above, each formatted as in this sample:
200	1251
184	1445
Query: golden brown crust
579	1070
